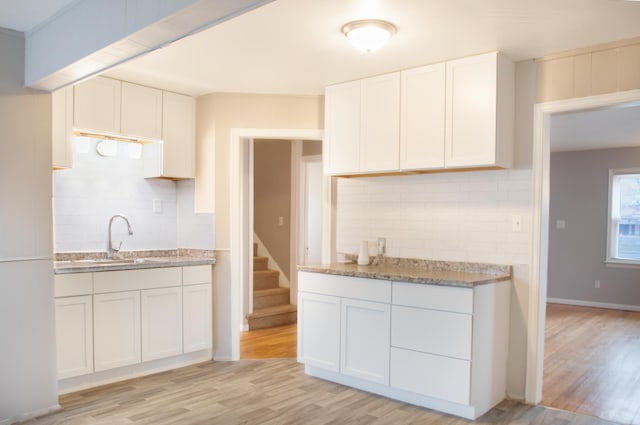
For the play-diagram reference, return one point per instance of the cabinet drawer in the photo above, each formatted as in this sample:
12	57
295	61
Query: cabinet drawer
129	280
439	377
432	331
69	285
194	275
344	286
435	297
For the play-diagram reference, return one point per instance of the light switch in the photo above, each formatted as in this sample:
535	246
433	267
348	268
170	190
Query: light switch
281	221
561	224
157	206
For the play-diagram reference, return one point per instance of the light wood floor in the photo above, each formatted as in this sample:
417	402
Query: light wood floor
592	362
272	343
266	392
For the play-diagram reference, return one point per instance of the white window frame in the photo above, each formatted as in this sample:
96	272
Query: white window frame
612	222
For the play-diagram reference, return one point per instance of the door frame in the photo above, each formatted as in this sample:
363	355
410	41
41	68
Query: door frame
240	236
542	113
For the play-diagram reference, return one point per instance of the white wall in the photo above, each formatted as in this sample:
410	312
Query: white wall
28	383
445	216
195	230
97	187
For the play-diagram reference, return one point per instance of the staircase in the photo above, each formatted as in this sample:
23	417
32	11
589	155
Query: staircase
271	306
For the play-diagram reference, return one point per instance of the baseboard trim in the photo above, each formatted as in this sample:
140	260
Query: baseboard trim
594	304
31	415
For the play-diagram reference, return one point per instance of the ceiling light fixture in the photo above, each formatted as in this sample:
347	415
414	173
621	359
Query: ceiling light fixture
368	35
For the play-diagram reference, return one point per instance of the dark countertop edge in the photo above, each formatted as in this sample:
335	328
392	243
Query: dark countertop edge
411	277
173	262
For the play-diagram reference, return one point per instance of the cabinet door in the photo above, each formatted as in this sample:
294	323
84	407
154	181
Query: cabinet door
196	301
116	319
178	136
365	338
342	128
422	117
74	336
96	106
61	128
141	111
161	322
471	111
319	331
380	123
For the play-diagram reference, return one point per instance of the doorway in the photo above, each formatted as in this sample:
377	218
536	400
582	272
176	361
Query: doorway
284	202
540	241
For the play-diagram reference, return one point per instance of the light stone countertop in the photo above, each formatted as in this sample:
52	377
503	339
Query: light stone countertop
428	272
133	260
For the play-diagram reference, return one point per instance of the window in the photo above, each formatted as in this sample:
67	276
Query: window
624	217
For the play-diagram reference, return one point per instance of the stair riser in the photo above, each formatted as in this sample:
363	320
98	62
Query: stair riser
265	282
260	264
272	321
270	301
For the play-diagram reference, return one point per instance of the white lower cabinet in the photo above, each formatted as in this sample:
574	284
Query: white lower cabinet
430	375
319	330
74	336
161	311
116	329
365	335
196	314
438	346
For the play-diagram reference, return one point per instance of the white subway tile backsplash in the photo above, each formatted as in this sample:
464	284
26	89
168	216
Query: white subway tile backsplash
97	187
465	216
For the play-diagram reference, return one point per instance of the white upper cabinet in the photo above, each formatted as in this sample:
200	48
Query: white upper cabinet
141	111
178	135
342	136
97	105
61	128
422	117
457	114
380	123
480	101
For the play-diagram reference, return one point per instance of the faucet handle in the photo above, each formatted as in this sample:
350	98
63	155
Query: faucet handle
118	248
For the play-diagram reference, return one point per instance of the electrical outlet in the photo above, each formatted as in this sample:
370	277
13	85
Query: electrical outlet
516	223
597	284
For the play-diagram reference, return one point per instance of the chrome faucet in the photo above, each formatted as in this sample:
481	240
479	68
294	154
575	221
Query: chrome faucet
110	247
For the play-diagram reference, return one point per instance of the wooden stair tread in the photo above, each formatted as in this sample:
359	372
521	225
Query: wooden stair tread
270	291
265	273
270	311
259	258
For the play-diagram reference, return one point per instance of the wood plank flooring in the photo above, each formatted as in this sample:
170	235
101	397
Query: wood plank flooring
272	343
266	392
592	362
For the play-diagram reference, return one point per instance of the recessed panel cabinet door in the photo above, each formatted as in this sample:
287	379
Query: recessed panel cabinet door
161	322
365	333
196	313
74	336
342	123
380	123
116	329
319	330
141	111
96	105
422	117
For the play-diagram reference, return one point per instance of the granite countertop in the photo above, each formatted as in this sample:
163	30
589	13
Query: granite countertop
132	260
420	271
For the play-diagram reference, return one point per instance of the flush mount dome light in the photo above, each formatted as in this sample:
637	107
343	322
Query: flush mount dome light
368	35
